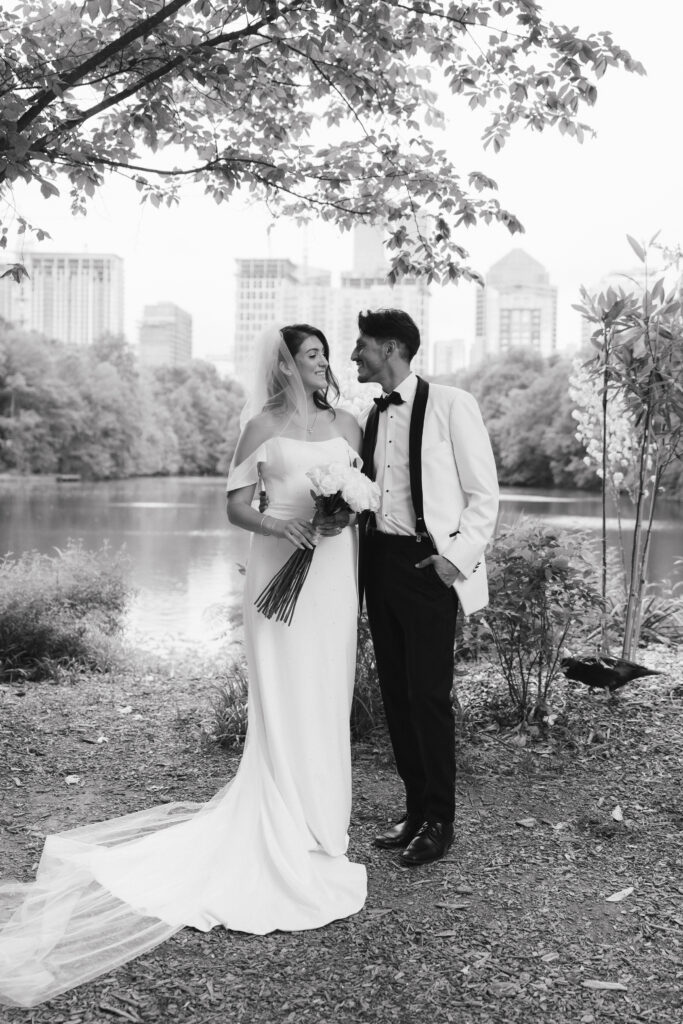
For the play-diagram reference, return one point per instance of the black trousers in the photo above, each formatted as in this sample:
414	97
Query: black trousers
412	620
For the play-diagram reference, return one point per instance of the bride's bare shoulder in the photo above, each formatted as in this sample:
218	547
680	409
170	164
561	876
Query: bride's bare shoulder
347	425
255	432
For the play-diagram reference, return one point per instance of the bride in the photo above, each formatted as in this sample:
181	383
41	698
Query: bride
268	851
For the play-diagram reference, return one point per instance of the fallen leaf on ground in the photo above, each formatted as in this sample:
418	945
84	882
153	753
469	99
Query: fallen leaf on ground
503	988
617	897
609	986
452	906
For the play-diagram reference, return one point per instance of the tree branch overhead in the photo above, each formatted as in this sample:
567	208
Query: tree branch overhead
339	100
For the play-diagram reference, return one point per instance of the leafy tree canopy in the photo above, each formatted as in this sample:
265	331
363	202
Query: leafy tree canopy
319	107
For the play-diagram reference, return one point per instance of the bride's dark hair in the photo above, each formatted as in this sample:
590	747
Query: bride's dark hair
294	336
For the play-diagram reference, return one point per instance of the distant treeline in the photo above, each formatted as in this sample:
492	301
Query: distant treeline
524	399
95	412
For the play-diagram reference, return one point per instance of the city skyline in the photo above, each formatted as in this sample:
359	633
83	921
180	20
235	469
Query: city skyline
577	202
275	291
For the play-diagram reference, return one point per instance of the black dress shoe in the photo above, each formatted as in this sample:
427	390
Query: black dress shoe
400	835
432	841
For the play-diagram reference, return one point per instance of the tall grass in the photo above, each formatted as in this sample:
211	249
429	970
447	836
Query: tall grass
367	710
61	610
229	705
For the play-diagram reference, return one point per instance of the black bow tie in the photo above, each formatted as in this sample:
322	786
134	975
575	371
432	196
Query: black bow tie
385	401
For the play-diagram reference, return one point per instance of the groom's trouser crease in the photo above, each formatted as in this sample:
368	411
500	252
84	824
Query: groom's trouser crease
412	618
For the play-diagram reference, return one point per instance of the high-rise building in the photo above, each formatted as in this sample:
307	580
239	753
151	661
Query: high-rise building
165	335
447	356
74	297
277	291
274	291
516	308
366	287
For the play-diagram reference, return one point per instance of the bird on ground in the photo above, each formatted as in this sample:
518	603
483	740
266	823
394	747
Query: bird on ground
604	671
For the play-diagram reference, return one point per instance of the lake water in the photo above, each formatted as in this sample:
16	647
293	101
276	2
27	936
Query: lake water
185	556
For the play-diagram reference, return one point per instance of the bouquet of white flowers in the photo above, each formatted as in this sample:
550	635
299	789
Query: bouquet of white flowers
338	491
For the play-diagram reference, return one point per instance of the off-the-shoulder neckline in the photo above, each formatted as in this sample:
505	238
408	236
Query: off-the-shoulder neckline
303	440
308	440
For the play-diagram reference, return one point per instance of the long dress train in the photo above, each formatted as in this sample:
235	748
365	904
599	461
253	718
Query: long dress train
268	850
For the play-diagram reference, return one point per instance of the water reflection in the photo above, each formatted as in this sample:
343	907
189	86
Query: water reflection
185	555
575	510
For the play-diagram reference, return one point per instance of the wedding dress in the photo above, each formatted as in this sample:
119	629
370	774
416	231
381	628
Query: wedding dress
268	851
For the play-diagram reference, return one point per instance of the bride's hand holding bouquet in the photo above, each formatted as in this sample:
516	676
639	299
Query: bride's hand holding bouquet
339	491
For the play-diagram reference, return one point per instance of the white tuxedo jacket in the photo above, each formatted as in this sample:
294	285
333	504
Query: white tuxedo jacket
460	488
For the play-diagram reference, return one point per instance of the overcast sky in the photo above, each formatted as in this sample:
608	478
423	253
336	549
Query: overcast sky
577	202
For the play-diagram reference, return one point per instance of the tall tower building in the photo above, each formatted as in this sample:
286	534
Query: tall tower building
447	356
366	287
165	335
275	291
516	308
73	297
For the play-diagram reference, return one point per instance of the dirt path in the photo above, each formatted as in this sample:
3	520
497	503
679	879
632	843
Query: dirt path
513	926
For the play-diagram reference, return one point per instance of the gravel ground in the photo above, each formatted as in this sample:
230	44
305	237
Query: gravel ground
515	925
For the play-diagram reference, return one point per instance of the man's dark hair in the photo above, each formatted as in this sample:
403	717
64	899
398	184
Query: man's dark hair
391	325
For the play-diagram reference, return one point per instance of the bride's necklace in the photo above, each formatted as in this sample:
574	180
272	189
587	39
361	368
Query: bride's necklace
309	430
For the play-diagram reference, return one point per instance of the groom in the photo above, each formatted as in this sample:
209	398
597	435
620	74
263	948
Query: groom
422	556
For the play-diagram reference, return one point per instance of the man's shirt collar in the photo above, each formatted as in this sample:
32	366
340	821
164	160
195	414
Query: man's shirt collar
407	388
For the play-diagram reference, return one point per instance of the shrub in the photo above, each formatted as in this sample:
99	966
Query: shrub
367	709
230	707
544	594
60	610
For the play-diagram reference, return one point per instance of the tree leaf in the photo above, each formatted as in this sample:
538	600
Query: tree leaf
637	248
617	897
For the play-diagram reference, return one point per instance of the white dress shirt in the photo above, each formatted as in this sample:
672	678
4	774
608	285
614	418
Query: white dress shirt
392	463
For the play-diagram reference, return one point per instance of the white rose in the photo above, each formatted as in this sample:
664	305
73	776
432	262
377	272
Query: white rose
328	479
359	492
